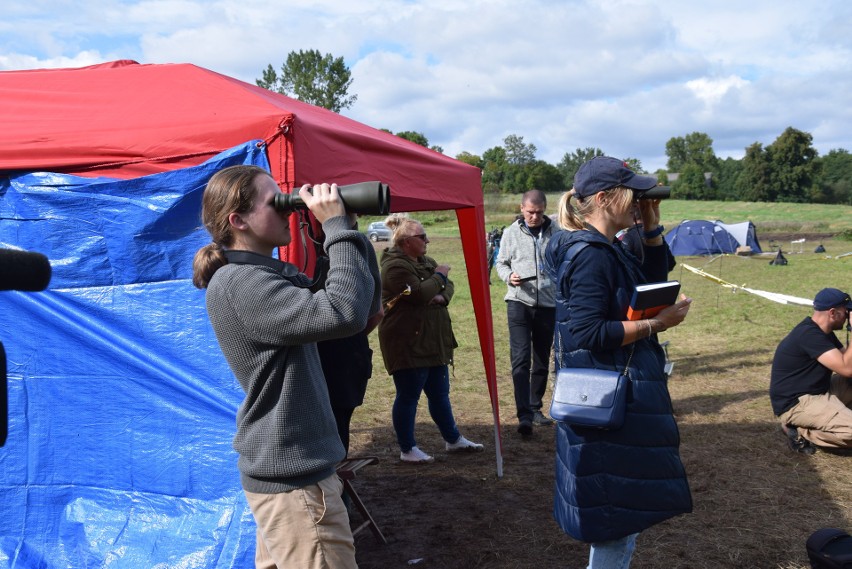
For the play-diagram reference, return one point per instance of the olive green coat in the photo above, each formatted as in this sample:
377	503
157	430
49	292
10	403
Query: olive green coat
414	332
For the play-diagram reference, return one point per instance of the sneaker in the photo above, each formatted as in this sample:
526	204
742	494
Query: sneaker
541	419
464	445
525	428
797	442
415	456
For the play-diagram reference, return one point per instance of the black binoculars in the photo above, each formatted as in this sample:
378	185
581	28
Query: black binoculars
371	198
655	193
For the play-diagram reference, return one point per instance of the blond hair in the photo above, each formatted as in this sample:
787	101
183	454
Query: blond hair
402	227
573	217
230	190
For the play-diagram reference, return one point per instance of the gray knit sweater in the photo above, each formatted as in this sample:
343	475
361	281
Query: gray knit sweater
267	328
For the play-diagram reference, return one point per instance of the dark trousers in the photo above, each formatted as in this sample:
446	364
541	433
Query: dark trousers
530	340
343	417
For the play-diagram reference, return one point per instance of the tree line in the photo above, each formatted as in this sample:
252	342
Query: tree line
788	170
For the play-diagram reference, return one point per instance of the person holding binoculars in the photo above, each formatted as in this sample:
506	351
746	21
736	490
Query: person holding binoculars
267	322
612	484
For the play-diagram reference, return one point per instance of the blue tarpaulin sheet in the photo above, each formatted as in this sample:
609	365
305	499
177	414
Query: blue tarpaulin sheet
121	406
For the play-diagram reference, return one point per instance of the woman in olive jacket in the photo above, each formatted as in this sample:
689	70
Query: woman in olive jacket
416	337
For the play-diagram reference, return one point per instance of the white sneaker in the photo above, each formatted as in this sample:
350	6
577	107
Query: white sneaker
415	456
464	445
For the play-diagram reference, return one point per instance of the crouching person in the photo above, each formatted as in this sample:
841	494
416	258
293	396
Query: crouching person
814	406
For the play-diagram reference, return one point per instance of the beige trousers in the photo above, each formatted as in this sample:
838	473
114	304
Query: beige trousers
306	528
825	420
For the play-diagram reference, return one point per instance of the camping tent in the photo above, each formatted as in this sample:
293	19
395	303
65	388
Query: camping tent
699	237
121	406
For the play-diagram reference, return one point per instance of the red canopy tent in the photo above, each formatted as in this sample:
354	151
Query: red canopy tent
124	120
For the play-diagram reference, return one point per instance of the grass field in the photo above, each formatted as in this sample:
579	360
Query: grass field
755	501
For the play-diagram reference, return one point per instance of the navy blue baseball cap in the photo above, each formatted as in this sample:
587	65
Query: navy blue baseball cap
831	297
603	173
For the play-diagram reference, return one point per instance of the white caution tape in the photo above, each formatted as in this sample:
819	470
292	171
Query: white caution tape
773	296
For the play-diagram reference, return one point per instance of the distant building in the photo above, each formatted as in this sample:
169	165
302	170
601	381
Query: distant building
673	176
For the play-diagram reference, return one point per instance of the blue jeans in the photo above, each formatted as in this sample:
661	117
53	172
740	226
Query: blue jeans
435	383
613	554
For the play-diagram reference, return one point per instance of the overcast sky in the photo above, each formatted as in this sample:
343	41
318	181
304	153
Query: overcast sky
622	76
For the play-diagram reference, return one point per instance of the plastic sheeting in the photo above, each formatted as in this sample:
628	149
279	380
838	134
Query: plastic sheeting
125	120
121	406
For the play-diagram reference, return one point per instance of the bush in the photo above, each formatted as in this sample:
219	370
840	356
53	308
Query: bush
845	235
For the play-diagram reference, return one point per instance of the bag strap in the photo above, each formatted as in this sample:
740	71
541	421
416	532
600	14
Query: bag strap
572	252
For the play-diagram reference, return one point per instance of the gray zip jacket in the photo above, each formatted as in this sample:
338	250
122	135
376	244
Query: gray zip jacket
522	253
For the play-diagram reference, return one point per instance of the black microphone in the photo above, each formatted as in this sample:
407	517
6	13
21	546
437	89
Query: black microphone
23	270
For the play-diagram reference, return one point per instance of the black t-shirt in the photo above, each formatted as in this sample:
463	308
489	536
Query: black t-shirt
795	369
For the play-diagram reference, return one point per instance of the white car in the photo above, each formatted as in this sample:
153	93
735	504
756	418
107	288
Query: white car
378	231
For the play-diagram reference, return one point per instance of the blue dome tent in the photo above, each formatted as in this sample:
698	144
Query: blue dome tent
700	237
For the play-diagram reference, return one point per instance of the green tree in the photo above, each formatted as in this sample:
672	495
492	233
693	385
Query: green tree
472	159
726	179
794	166
691	184
635	164
494	169
754	182
694	148
415	137
543	176
572	161
309	76
836	177
517	151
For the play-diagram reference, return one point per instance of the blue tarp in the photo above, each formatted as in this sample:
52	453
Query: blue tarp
121	406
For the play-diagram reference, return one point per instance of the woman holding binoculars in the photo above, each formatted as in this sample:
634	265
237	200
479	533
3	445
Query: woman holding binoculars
267	322
612	484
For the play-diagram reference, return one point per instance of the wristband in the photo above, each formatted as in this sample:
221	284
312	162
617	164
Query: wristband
654	232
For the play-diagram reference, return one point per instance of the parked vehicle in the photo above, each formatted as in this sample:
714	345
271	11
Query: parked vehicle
378	231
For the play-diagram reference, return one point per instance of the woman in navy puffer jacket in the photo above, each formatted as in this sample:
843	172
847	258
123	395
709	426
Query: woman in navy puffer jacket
611	485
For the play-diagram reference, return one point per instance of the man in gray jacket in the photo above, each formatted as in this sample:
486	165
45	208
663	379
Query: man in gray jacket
529	307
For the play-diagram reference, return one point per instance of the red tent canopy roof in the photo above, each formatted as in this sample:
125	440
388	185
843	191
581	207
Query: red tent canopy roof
124	119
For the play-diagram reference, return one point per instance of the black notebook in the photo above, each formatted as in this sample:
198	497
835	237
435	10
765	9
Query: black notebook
649	299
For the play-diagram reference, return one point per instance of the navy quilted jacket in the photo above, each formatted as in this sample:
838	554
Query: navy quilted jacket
610	484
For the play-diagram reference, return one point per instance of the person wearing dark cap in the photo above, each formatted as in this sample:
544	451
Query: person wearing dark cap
613	484
811	383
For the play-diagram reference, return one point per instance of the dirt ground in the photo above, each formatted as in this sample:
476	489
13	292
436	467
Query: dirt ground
456	513
755	501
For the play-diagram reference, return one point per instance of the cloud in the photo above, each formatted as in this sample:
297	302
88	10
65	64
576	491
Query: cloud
621	75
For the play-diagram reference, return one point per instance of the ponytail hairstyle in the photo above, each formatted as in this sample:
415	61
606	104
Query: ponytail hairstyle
573	217
401	225
230	190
